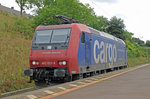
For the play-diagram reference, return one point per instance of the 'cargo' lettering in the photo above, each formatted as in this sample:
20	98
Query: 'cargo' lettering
104	52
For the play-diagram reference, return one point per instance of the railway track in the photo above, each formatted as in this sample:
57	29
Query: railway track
20	91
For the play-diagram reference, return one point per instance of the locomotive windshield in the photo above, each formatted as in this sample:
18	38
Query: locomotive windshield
43	36
60	36
52	36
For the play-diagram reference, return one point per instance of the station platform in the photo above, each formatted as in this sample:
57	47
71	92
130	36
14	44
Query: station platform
131	85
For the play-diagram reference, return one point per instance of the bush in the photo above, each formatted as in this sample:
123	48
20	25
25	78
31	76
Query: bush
135	50
22	25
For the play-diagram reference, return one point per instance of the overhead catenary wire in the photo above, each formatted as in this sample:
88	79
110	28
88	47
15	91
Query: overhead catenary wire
101	9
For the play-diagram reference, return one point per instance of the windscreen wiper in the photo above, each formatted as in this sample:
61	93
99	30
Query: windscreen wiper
66	39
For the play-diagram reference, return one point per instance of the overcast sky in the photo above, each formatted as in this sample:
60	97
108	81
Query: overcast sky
135	13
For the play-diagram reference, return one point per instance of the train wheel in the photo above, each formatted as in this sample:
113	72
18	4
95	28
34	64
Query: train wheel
92	73
125	66
75	77
81	76
40	84
85	75
68	78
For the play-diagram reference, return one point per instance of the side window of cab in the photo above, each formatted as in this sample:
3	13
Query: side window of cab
83	37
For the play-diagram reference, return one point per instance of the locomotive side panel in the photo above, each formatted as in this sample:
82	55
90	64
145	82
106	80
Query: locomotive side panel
105	53
98	52
122	56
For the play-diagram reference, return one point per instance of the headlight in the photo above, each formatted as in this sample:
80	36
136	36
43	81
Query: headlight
37	63
60	63
64	62
33	62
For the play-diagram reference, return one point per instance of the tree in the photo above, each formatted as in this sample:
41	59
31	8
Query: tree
116	27
22	5
148	43
127	35
40	3
102	23
138	41
48	9
77	11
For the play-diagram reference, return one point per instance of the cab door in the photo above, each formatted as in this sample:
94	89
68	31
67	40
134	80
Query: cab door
87	49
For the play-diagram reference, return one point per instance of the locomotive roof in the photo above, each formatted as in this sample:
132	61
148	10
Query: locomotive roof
105	35
81	27
52	26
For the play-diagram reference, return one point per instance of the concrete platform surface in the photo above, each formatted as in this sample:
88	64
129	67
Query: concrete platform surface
131	85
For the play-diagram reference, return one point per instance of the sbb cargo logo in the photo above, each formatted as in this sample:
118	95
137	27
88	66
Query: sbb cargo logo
104	52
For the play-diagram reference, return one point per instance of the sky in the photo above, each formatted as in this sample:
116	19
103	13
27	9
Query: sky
135	13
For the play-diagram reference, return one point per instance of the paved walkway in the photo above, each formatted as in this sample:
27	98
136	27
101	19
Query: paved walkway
131	85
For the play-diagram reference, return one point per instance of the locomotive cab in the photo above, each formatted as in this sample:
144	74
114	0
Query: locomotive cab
48	54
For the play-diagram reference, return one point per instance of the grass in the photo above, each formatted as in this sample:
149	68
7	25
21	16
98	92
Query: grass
133	61
14	53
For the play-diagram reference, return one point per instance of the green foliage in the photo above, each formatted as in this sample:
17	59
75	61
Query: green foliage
137	60
127	35
116	27
135	50
102	23
40	3
148	48
69	8
138	41
17	23
148	43
24	26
